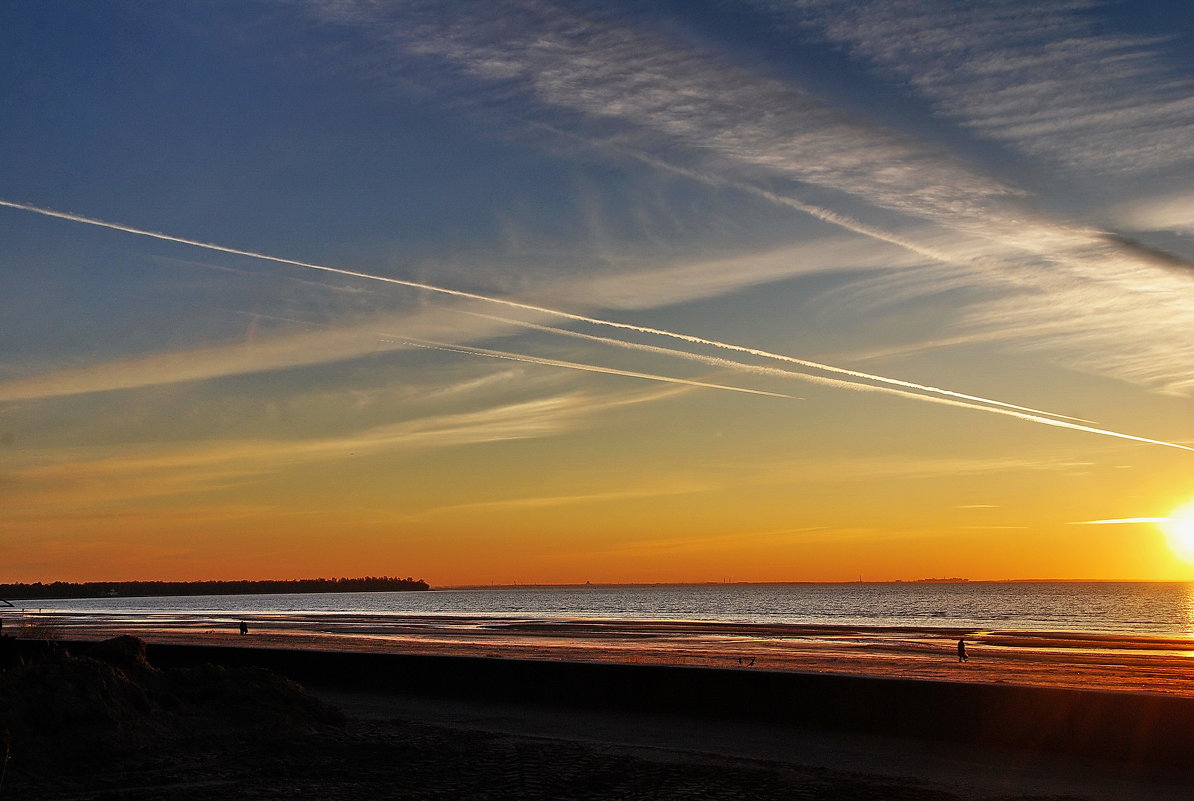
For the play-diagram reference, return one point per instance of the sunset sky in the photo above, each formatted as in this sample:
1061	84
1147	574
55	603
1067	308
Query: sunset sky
689	290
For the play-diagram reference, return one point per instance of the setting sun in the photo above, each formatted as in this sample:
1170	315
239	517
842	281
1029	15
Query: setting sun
533	292
1179	532
518	371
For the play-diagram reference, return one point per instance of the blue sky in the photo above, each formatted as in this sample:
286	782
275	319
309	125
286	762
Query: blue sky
969	226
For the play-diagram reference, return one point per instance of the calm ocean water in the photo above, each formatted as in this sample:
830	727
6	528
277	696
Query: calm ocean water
1158	609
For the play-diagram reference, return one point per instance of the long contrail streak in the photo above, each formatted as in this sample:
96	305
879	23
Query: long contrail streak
530	307
1023	413
716	361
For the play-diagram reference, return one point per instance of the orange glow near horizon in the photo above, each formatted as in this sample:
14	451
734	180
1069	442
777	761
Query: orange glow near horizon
689	507
576	544
552	296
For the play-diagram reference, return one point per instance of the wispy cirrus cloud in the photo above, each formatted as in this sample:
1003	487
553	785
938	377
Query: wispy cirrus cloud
103	477
614	73
872	468
610	72
687	111
520	505
1040	77
1134	326
1171	212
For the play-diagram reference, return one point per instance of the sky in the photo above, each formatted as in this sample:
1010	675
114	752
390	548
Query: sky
554	292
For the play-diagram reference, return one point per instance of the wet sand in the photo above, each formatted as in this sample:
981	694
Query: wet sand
1044	659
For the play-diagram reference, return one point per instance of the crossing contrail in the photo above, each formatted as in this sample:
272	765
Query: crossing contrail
1013	410
696	340
589	368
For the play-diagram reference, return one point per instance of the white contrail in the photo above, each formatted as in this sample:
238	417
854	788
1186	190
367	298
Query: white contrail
1122	520
457	348
838	383
1049	421
1032	416
757	369
819	212
589	368
530	307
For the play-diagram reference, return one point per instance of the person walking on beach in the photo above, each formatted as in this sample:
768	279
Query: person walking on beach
244	627
962	651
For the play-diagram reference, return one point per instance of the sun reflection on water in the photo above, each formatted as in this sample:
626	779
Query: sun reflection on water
1188	609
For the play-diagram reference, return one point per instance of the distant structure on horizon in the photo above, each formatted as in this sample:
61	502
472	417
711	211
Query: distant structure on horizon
953	580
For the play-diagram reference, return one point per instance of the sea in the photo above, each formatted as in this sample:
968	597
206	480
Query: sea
1164	610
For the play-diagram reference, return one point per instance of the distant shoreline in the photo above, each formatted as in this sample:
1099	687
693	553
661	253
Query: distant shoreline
62	590
892	582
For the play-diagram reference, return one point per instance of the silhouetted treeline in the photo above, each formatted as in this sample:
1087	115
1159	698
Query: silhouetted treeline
105	589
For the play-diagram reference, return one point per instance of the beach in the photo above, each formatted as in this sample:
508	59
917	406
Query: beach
461	727
580	693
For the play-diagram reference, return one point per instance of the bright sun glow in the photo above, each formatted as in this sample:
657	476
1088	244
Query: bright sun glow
1179	531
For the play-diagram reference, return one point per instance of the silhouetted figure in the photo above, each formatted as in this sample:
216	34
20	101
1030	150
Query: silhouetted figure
244	627
962	651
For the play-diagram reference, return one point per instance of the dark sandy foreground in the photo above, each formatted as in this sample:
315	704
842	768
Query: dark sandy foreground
736	759
399	759
383	760
407	760
111	726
